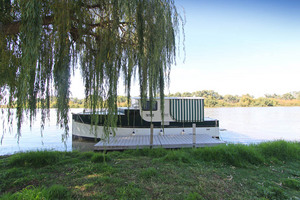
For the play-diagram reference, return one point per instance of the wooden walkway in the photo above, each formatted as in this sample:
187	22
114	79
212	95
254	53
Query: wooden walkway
159	141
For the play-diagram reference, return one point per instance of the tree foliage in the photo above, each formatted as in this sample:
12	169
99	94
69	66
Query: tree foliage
214	99
41	42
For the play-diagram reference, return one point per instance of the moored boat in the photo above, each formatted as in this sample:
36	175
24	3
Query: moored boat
180	113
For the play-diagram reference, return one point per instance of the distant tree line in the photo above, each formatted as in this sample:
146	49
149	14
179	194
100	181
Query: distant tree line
214	99
211	99
82	103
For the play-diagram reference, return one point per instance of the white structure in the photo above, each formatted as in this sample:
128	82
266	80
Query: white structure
179	115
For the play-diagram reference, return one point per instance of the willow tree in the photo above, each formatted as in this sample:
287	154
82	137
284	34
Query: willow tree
43	41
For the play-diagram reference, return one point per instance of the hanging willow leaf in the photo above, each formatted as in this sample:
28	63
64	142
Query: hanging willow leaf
41	42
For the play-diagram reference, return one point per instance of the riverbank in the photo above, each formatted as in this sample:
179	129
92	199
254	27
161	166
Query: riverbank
243	101
235	101
268	170
259	102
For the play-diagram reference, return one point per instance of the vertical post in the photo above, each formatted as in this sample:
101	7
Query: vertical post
151	135
194	135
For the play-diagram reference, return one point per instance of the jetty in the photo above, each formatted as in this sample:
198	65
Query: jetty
156	141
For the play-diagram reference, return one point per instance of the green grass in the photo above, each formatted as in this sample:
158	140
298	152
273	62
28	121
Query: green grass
34	159
58	191
33	193
236	155
265	171
149	173
100	157
280	150
291	183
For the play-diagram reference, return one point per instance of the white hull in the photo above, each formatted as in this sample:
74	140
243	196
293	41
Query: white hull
82	130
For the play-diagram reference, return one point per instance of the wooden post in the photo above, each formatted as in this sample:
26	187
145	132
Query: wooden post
151	135
194	135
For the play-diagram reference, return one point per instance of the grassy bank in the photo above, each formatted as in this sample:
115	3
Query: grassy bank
264	171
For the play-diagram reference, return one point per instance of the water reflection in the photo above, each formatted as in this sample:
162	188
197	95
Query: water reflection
80	145
236	138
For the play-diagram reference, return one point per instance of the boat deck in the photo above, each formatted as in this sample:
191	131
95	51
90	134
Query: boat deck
159	141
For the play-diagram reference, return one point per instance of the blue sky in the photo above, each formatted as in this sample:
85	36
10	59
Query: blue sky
238	47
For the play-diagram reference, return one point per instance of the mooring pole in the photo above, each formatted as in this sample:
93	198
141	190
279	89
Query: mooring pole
194	135
151	135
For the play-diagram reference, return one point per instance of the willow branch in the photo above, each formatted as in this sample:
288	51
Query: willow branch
14	27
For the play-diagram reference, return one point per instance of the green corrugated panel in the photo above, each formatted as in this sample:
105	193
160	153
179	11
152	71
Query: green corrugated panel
202	110
187	110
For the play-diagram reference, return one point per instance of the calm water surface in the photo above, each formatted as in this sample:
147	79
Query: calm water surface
256	124
238	125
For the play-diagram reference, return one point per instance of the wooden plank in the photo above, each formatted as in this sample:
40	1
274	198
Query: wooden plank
194	135
164	141
203	140
175	141
123	142
151	135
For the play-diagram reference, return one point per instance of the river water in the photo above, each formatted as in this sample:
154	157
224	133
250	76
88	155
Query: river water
238	125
